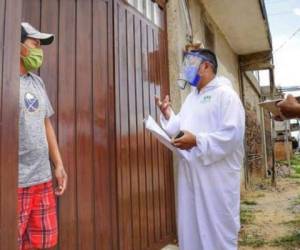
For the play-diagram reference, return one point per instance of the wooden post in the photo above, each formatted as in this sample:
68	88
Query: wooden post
264	144
272	89
10	18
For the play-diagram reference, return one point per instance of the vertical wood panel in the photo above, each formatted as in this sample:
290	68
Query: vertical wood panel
172	196
161	163
155	167
102	66
160	73
2	32
112	83
125	199
169	183
119	188
68	222
49	70
148	149
151	177
140	134
133	133
9	83
169	158
84	109
32	12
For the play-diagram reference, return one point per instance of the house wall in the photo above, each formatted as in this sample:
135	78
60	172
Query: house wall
228	60
254	125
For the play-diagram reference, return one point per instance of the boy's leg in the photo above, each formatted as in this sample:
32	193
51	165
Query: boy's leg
43	219
24	210
52	248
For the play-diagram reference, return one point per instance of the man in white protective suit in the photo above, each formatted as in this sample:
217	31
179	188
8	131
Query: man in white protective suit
210	127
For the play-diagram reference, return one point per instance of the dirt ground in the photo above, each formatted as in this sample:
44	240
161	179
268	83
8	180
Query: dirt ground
271	216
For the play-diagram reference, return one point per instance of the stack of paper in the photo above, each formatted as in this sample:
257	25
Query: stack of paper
162	136
271	106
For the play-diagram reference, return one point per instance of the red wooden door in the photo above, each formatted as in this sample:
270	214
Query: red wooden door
101	79
78	74
10	13
145	181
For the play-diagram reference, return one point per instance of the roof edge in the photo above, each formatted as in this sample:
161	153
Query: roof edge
265	17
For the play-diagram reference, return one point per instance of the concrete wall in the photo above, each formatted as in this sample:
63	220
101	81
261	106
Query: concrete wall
228	60
254	140
251	94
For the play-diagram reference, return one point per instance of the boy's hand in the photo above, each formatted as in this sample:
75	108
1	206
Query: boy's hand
62	179
185	142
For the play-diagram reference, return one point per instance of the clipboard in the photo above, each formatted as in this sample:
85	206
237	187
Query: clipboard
271	105
162	136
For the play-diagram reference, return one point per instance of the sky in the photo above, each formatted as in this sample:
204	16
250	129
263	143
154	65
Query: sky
284	20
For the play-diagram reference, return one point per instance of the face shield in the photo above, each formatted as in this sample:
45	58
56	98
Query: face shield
189	69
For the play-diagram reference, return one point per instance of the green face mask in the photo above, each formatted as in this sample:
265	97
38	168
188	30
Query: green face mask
34	60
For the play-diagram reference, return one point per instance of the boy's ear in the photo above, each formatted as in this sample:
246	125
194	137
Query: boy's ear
23	50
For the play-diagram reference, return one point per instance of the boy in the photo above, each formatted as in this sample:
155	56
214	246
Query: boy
37	141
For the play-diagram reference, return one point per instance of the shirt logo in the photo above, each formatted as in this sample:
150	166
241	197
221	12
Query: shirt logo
206	99
31	102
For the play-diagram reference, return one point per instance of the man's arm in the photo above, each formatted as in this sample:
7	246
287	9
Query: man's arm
169	121
215	146
55	156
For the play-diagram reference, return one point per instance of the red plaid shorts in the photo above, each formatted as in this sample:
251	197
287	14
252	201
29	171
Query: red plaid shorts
37	217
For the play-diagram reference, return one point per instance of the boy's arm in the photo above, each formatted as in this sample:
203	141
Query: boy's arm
55	156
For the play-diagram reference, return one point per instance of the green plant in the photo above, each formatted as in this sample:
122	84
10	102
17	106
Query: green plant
249	203
288	241
253	240
296	201
247	216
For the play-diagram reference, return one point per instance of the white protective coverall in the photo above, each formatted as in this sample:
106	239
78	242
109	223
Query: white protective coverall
209	181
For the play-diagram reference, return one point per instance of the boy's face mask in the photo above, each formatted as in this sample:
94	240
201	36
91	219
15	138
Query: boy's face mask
189	70
34	59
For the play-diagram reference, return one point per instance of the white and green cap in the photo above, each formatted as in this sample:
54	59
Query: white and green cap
28	31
